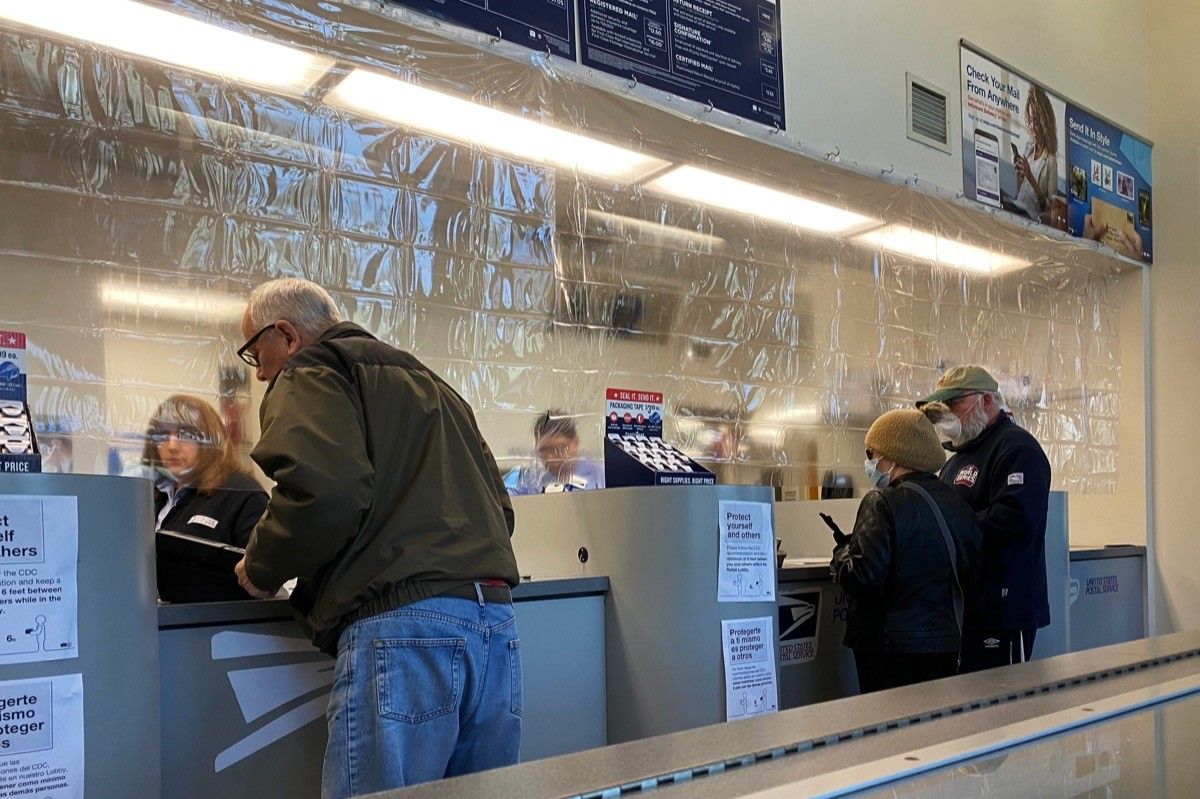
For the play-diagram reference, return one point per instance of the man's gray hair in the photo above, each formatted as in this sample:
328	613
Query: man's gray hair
302	302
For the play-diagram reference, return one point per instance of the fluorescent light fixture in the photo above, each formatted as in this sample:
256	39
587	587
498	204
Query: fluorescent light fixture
912	243
196	304
656	232
811	415
722	191
172	38
462	120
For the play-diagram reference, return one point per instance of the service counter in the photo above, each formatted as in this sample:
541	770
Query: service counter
619	621
659	548
1107	595
1090	719
244	694
1103	587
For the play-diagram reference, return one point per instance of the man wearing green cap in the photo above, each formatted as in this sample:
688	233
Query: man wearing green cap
1003	474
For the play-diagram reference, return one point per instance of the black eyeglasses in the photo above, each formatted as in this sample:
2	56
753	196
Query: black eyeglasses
244	351
183	434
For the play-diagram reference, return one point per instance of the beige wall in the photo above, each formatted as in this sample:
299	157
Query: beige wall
844	65
1174	95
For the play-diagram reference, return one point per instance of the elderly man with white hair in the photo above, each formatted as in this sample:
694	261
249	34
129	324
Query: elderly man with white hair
389	508
1001	471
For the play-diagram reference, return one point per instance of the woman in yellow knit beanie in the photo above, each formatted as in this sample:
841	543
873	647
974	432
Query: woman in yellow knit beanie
909	579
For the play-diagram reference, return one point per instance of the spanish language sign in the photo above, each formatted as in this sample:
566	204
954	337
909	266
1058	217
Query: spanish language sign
746	569
750	685
41	738
39	551
537	24
727	53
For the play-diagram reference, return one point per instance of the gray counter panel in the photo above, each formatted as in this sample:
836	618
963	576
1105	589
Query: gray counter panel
118	647
1056	639
244	694
562	656
243	711
659	548
1108	601
829	673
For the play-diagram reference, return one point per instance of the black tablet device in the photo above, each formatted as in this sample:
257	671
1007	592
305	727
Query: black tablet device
192	569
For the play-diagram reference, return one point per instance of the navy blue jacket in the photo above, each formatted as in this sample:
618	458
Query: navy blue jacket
1005	477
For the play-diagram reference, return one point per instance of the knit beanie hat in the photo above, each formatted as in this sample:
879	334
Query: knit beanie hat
907	438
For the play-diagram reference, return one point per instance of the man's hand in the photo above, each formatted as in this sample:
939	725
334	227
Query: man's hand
1093	231
247	586
1130	244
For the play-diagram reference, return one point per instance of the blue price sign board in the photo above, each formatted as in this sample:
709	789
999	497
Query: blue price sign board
726	52
534	23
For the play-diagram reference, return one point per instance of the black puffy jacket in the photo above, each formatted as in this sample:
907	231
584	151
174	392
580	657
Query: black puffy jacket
897	570
1005	477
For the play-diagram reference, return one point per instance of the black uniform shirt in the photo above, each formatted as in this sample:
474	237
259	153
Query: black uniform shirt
227	515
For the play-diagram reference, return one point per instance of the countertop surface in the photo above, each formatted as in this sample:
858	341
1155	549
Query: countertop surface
204	613
803	569
1107	551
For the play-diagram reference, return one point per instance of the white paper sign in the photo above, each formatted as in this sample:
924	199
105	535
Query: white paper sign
41	738
39	553
746	571
750	686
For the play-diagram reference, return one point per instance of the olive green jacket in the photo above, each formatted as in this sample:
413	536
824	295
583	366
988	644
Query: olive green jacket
385	491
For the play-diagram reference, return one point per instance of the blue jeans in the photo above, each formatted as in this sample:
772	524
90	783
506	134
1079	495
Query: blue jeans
430	690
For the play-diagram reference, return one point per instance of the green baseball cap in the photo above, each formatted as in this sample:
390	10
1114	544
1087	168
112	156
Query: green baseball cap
961	380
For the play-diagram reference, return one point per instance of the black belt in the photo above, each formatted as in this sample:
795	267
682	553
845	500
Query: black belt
496	594
490	593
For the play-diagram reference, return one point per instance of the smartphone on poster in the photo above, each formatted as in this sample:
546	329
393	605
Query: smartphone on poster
987	168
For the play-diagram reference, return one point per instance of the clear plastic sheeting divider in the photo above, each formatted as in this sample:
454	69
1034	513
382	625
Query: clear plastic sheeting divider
533	237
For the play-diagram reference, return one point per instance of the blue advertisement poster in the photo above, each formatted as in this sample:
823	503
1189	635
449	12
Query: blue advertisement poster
727	53
534	23
1110	185
1034	154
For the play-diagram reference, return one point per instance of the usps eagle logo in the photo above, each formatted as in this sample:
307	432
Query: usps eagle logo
272	691
967	476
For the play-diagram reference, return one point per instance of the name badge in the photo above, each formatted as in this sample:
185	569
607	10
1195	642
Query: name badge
207	521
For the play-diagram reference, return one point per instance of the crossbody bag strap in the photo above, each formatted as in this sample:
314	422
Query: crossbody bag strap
950	550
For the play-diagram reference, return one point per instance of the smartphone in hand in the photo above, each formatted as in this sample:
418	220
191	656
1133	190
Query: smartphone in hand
838	535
